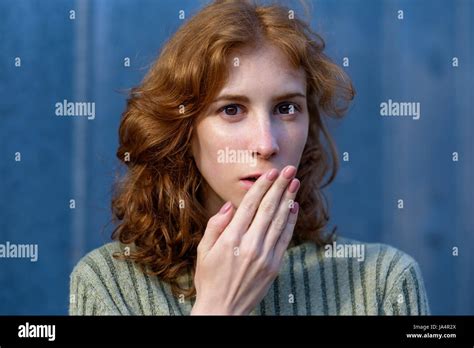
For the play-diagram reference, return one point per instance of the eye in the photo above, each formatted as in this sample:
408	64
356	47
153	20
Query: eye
230	110
288	108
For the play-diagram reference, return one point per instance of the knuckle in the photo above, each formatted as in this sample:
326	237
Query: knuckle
249	205
286	237
267	267
274	269
229	241
251	253
213	221
269	208
292	222
279	223
199	248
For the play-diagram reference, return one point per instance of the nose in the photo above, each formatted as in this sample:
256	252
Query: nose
264	139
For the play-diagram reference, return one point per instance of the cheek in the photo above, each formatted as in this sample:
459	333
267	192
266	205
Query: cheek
297	137
209	142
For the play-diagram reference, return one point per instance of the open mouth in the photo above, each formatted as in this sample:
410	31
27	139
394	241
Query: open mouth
249	180
252	178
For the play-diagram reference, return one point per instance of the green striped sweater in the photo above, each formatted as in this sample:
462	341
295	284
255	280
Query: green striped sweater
312	281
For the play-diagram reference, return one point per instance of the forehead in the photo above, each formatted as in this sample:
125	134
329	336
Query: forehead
263	68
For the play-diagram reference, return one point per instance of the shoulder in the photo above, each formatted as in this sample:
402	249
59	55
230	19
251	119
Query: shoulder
396	277
375	256
103	284
377	277
99	260
370	256
96	281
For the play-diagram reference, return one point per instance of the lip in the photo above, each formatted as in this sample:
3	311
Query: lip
258	174
247	184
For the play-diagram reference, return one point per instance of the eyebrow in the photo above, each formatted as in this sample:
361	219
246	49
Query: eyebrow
243	98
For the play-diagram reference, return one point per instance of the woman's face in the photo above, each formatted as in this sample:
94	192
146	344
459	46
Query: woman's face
258	121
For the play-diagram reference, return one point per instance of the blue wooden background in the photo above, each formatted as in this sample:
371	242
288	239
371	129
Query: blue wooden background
62	158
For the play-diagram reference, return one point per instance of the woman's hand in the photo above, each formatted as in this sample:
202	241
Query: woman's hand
240	254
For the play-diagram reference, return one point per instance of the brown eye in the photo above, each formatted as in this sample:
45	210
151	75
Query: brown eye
231	109
287	108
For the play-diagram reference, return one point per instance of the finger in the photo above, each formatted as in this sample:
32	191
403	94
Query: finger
285	237
269	206
215	226
247	208
279	222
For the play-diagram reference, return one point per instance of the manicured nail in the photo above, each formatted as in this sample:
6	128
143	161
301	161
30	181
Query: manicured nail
225	208
294	208
294	186
289	172
272	174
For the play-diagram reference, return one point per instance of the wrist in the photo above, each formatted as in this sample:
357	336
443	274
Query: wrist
200	308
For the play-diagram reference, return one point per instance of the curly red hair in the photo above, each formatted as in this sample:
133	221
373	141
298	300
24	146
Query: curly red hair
158	204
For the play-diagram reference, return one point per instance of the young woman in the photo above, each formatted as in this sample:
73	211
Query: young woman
221	209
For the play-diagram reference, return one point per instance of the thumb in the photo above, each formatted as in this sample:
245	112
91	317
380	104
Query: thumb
215	226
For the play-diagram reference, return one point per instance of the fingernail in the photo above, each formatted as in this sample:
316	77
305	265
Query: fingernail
272	174
289	172
225	208
295	184
294	208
